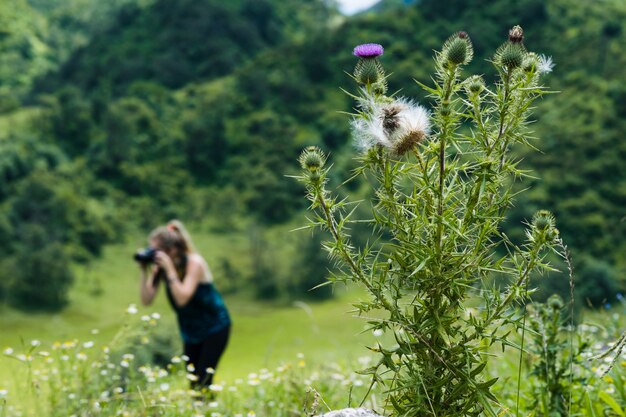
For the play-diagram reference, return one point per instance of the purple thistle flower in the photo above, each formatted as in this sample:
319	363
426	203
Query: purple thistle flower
368	50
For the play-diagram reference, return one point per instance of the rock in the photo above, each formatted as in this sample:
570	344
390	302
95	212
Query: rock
351	412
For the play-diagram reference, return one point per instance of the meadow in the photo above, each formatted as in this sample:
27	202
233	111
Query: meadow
265	335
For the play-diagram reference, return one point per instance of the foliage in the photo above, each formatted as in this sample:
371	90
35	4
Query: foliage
552	360
441	197
39	275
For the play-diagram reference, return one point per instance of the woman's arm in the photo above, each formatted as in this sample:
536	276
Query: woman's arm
182	291
148	284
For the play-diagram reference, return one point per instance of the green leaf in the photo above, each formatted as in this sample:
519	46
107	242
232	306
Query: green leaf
604	396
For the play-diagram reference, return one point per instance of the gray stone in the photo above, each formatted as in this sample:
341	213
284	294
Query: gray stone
351	412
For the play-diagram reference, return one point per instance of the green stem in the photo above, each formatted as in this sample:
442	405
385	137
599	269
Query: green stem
529	267
521	352
330	222
442	156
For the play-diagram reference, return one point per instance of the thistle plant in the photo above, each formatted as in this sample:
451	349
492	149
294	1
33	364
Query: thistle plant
442	181
556	361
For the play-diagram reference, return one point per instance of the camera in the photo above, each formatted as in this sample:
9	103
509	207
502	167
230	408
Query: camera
145	256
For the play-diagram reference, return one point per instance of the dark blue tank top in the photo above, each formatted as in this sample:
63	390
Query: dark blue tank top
204	314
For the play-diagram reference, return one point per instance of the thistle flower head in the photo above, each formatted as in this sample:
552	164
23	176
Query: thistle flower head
397	126
457	50
516	34
413	127
368	133
512	53
368	50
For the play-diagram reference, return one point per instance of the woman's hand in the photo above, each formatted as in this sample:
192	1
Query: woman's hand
163	260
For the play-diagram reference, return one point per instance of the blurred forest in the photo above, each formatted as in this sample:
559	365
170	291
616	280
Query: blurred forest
116	116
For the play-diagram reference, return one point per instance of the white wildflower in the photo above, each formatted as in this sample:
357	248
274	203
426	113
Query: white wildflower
88	345
8	351
132	309
216	387
545	64
378	332
364	360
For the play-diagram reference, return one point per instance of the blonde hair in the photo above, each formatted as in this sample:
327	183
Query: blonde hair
174	235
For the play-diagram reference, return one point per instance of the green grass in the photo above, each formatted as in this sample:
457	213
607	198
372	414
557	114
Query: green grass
263	336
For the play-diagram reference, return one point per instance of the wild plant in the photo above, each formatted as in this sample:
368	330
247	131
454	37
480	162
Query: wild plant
559	368
442	180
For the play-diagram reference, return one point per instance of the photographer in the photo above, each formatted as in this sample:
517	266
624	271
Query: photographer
203	319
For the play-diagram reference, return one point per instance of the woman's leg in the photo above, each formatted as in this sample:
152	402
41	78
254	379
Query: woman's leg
211	351
193	351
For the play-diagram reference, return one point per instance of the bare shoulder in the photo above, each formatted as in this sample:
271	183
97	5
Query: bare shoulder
196	260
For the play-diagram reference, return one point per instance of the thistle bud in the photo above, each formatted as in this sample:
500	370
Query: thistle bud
511	55
368	69
474	85
312	159
457	49
543	220
530	63
543	227
516	34
555	302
